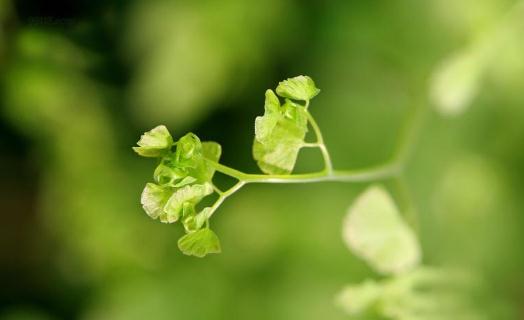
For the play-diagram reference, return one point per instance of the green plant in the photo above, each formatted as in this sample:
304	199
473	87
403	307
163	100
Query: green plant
184	175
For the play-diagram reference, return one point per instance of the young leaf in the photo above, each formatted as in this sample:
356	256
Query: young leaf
199	243
298	88
279	135
196	221
374	230
265	124
154	198
211	151
188	148
191	194
154	143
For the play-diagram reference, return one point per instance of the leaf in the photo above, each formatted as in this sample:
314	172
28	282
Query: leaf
374	230
187	148
279	136
298	88
211	151
189	194
165	175
154	198
265	124
199	243
154	143
456	82
196	221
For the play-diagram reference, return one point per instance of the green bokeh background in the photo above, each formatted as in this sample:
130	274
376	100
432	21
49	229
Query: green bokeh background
80	81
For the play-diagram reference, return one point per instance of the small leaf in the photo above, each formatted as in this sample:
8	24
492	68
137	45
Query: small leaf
264	125
190	193
154	198
456	82
154	143
374	230
184	182
199	243
165	175
298	88
188	147
211	151
279	136
196	221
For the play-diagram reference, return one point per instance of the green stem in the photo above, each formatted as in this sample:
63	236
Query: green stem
328	165
362	175
224	195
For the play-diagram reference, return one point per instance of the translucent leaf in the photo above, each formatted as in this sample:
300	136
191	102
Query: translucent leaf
154	143
191	194
298	88
374	230
187	147
184	182
279	137
196	221
264	125
199	243
456	82
154	198
211	151
165	175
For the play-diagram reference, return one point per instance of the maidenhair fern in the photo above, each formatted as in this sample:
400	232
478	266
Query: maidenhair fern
184	174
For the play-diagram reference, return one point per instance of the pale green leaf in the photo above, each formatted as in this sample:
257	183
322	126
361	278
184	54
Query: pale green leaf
196	221
279	136
165	175
265	124
298	88
211	150
187	148
456	82
199	243
154	198
185	181
191	194
374	230
154	143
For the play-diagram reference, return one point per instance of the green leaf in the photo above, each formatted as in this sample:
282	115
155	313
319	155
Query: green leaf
199	243
298	88
196	221
374	230
166	175
279	136
188	148
191	194
211	151
154	143
154	198
264	125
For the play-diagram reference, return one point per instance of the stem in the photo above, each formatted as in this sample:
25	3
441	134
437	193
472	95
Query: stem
328	165
362	175
224	195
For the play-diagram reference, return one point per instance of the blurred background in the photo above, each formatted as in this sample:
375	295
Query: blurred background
80	81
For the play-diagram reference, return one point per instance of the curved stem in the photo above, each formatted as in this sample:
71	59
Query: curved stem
224	195
362	175
328	165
